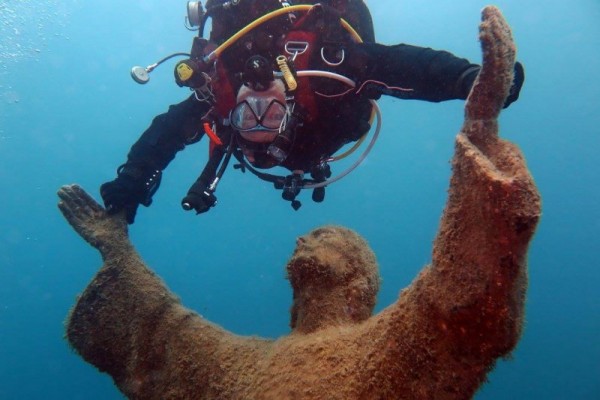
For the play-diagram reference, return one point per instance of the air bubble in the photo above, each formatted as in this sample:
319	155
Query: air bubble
24	26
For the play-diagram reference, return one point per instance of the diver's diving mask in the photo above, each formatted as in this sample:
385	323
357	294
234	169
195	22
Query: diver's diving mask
259	114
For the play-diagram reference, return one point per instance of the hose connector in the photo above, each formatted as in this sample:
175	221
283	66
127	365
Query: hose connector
288	76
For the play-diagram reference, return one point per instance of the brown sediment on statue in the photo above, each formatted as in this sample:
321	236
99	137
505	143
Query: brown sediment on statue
495	78
439	340
335	279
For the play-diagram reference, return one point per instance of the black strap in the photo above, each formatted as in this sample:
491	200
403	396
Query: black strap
243	165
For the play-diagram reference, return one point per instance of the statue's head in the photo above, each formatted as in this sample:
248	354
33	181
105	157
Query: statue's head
335	279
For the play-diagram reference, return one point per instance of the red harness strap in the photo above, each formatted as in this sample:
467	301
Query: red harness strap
214	139
304	94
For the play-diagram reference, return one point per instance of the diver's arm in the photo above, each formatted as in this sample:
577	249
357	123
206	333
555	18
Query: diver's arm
139	177
355	12
167	134
411	72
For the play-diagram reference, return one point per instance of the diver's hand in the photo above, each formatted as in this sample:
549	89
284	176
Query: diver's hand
200	202
132	187
517	83
122	194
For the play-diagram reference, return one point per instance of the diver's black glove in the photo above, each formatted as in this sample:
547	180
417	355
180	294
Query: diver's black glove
200	201
515	89
131	188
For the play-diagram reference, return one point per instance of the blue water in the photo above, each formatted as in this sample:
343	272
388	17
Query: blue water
69	112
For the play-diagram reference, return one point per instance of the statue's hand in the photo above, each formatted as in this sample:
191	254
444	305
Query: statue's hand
492	86
89	218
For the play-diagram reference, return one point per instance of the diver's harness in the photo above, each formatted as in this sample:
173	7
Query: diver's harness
224	144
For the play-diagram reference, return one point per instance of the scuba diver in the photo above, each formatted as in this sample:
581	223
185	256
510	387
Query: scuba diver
281	85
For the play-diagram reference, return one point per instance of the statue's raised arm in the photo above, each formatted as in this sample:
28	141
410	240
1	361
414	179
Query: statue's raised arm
466	309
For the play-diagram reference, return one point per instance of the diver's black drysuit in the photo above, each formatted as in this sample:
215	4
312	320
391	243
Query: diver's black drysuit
377	69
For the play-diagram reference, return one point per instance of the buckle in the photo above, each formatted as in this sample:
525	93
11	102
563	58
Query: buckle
294	48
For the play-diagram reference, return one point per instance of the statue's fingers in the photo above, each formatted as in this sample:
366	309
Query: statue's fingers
87	217
494	29
87	199
72	216
79	222
79	201
492	85
74	202
66	199
497	43
493	16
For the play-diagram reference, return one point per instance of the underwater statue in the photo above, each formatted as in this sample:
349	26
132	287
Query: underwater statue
439	340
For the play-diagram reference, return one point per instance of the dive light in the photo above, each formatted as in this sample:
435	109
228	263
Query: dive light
142	75
195	14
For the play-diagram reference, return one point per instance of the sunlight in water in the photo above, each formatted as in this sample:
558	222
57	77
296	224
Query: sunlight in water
26	27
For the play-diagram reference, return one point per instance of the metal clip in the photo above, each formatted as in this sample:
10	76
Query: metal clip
331	63
294	48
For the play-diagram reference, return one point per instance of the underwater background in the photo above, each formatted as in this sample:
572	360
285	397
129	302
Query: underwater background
69	111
